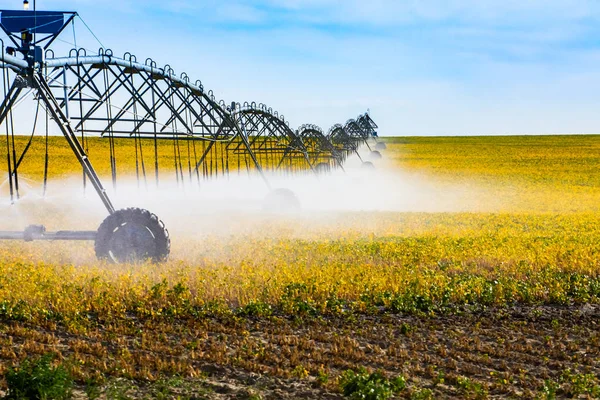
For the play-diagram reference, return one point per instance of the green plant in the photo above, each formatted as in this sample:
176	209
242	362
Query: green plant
300	372
405	328
549	390
322	377
471	388
374	386
255	309
577	384
439	378
118	390
39	379
92	390
421	394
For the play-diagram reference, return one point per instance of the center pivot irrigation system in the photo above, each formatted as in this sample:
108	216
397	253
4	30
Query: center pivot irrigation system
120	99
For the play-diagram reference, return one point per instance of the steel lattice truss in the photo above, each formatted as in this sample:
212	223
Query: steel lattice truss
122	100
342	140
368	126
321	152
119	98
276	146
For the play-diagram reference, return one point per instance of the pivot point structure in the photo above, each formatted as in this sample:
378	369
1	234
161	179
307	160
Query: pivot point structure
125	235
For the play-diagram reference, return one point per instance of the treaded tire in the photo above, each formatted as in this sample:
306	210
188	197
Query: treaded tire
281	200
375	155
132	235
380	146
367	165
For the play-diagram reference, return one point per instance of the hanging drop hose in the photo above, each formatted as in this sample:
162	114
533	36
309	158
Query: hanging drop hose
142	160
227	160
111	139
18	164
46	158
154	125
137	164
238	163
10	121
222	160
179	156
84	143
188	121
14	152
5	77
203	161
196	162
135	140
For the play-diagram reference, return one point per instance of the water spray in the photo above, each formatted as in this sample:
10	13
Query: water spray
119	98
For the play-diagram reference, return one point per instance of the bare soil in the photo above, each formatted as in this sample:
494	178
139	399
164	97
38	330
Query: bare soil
501	352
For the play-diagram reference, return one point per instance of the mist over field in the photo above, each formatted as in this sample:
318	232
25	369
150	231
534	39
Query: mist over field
217	205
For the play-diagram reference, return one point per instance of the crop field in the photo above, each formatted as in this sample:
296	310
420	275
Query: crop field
479	277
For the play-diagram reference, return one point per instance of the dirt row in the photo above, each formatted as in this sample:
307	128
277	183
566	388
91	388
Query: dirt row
515	352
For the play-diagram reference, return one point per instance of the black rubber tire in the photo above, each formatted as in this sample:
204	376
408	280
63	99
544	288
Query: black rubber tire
281	200
380	146
375	155
132	235
367	165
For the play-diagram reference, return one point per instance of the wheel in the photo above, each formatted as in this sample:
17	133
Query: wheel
380	146
375	155
322	168
281	200
367	165
132	235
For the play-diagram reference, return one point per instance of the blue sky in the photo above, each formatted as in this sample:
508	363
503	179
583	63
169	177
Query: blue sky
423	67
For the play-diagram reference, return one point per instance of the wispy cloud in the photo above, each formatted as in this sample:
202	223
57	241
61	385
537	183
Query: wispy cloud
422	66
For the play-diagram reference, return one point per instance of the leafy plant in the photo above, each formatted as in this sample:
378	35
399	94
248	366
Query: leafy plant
374	386
549	390
421	394
471	388
575	384
39	379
